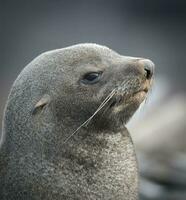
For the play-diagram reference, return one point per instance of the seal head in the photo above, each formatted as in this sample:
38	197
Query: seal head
64	134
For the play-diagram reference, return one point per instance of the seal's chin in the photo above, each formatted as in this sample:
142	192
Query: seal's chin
139	96
135	99
124	101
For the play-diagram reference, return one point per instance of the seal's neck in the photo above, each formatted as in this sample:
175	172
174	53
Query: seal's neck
85	144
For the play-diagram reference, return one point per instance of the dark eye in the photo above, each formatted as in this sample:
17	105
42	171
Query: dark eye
91	78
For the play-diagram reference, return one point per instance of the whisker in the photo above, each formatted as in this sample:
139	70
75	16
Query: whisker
106	109
100	107
90	118
108	97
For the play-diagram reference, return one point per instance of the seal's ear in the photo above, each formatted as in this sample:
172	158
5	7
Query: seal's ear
41	104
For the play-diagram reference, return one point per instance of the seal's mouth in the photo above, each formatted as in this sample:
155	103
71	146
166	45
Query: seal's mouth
144	89
123	100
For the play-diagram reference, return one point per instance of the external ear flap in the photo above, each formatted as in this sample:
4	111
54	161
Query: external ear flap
41	103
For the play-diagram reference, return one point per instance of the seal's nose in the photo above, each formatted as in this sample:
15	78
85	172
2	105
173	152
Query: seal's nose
148	67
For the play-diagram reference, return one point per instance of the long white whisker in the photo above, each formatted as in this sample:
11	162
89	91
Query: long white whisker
100	107
108	97
89	119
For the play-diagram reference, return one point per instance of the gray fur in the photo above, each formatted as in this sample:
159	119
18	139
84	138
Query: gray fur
99	161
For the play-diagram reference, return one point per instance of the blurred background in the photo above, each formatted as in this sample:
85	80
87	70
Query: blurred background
144	28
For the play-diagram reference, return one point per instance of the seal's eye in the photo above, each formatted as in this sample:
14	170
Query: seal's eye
91	78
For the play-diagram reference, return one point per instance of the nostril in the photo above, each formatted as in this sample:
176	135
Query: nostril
148	73
149	68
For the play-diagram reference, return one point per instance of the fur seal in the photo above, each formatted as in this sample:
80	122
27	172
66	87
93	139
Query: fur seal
49	149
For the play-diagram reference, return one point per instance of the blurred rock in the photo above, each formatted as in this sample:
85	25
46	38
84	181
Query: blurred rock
160	140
